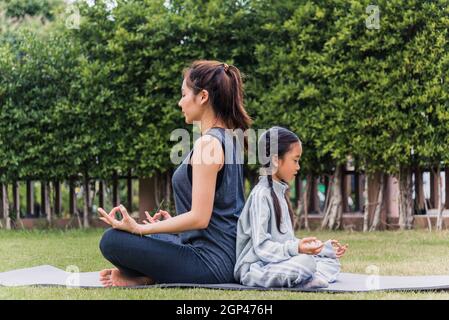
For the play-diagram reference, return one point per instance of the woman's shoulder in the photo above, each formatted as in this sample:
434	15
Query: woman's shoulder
207	140
208	150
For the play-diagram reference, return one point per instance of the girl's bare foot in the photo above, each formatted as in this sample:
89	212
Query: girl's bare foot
118	279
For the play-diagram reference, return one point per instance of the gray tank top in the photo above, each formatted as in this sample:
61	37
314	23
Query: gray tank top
216	244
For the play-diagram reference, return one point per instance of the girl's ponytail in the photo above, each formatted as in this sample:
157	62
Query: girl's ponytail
277	207
285	139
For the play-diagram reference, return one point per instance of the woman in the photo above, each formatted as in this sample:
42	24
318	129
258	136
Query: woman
198	244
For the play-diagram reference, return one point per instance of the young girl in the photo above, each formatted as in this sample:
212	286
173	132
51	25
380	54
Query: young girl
268	253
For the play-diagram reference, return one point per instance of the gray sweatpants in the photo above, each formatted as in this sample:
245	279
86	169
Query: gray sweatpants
295	271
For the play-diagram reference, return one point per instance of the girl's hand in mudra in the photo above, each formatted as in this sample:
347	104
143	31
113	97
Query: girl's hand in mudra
339	249
310	245
157	216
127	223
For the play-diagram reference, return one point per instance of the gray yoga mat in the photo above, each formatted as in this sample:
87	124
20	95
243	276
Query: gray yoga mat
47	275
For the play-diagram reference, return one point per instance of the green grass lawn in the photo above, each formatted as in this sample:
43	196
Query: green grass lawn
393	253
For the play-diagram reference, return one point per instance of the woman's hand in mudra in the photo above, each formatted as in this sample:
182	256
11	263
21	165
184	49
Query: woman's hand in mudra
127	223
158	216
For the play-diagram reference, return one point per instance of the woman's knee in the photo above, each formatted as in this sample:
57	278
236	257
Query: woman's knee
110	241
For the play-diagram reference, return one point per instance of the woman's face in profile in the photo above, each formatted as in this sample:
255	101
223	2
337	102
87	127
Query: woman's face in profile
190	104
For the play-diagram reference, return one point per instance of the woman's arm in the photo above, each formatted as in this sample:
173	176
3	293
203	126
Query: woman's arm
207	160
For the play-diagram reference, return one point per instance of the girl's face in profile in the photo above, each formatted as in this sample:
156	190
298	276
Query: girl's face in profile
190	104
288	165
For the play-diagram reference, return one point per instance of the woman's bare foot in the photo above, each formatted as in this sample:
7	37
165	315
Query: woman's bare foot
118	279
105	277
114	278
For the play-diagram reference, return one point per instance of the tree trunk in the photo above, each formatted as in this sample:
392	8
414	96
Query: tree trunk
333	213
16	202
298	205
5	206
168	190
439	191
157	192
446	174
405	199
379	204
303	209
57	197
30	198
306	197
115	190
129	190
45	199
366	204
86	206
73	207
101	194
429	222
328	194
419	191
93	195
72	197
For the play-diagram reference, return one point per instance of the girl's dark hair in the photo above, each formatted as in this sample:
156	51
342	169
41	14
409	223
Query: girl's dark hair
225	87
285	139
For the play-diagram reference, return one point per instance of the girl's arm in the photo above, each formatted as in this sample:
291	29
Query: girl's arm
207	160
265	248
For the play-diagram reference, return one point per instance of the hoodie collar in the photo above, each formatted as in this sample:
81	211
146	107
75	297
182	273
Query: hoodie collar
278	186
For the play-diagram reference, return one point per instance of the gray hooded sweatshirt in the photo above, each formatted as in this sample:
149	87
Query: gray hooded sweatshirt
269	258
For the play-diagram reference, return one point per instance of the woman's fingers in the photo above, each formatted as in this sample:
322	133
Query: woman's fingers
157	216
100	210
113	211
109	222
165	214
103	213
105	217
124	212
104	220
150	218
161	214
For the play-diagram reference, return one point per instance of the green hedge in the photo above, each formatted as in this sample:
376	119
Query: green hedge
103	98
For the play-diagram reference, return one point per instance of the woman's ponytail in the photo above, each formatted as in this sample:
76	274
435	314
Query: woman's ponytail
239	117
225	87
